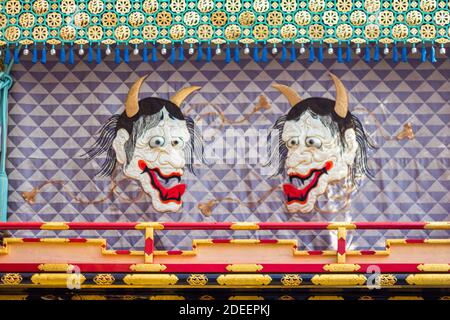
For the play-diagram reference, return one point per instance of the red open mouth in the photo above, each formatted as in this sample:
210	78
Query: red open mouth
158	179
306	182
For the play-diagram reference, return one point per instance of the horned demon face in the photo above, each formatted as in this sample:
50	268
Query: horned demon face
154	142
320	142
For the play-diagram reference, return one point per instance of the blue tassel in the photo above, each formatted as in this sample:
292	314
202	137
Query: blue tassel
16	55
172	55
256	53
348	54
7	55
236	53
227	54
117	55
312	56
424	54
395	53
62	55
199	52
35	55
71	56
320	53
126	55
293	57
208	53
339	54
90	55
44	55
145	53
154	53
283	54
404	54
376	53
181	53
264	54
433	54
98	57
367	54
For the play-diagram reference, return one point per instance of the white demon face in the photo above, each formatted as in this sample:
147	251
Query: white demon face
315	158
157	160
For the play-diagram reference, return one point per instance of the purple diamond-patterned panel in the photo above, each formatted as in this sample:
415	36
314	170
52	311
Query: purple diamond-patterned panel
56	110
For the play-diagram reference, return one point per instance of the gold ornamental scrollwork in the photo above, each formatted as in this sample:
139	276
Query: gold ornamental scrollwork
104	279
386	280
150	279
291	280
339	280
197	280
11	279
244	280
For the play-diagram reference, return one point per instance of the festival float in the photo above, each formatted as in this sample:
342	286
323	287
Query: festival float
229	149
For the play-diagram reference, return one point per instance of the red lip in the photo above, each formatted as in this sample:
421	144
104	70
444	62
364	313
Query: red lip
300	195
166	195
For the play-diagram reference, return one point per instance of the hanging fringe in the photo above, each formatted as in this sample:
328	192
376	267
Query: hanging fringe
44	55
71	55
16	55
339	54
348	54
173	53
293	56
433	54
34	59
181	53
227	54
283	53
424	54
236	53
264	54
126	54
376	53
320	53
404	53
255	53
117	55
154	53
208	53
367	54
395	52
7	55
311	54
145	53
62	54
90	54
199	52
98	56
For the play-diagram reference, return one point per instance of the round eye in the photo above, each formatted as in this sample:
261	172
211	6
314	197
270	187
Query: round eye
157	141
313	142
293	142
177	142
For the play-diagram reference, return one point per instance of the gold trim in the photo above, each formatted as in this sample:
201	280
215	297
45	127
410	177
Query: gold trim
147	267
442	225
244	267
341	267
326	298
154	225
246	298
386	280
434	267
104	279
14	297
337	225
55	226
244	226
428	279
11	279
244	280
339	280
405	298
57	279
291	280
150	279
88	297
166	297
197	280
55	267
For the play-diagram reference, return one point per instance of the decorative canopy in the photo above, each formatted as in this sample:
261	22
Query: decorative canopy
223	21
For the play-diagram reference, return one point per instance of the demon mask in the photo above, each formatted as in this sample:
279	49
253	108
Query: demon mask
154	142
320	142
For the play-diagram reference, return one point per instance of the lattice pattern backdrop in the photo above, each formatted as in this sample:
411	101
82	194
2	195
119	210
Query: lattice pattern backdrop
55	110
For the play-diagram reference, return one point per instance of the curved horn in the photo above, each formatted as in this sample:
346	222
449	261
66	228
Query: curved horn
132	101
180	95
290	94
341	106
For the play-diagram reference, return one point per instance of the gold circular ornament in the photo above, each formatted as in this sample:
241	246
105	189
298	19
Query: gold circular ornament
386	280
247	18
67	6
260	31
291	280
95	6
67	33
233	6
150	6
13	7
81	19
163	19
400	31
428	5
274	18
177	32
197	280
95	33
288	31
26	20
177	6
288	5
316	31
40	33
149	32
372	31
122	33
205	6
428	31
40	7
372	5
191	18
414	18
205	31
232	32
330	17
400	5
123	6
344	5
386	18
136	19
358	17
103	279
4	20
316	5
12	279
442	18
109	19
302	18
344	31
12	33
219	18
261	6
